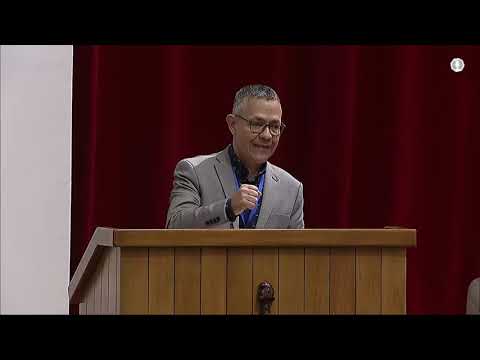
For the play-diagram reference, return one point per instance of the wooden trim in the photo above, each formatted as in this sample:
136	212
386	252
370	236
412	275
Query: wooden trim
214	281
265	268
161	277
118	258
187	281
90	298
101	237
82	308
342	281
239	281
98	286
369	281
134	281
291	281
112	281
104	280
317	281
266	238
394	281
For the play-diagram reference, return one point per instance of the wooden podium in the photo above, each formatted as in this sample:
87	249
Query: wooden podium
312	271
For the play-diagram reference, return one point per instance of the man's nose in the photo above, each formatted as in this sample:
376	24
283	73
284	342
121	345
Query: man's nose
266	132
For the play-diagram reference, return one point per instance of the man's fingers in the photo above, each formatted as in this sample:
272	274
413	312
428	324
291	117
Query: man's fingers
248	186
251	192
250	205
250	201
250	189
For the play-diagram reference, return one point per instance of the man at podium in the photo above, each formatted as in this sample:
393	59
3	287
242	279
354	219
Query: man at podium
237	187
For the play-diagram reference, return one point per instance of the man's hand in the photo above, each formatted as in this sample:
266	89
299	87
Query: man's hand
245	198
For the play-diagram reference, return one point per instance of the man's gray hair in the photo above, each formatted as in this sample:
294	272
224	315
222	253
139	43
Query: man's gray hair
253	91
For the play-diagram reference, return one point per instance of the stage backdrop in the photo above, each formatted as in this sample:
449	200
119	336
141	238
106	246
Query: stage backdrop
379	136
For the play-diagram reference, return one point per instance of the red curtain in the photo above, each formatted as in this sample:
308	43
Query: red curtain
379	135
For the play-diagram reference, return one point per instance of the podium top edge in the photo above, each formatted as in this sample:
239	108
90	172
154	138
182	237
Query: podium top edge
264	230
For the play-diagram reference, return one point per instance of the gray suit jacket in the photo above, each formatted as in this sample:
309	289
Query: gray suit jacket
203	184
473	297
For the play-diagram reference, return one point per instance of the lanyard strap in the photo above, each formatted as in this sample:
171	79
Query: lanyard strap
252	211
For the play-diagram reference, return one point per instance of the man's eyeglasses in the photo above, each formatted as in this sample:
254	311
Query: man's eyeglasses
258	127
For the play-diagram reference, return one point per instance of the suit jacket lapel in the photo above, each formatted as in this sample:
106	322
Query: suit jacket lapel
223	167
268	202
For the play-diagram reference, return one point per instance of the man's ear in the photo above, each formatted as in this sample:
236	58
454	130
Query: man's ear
230	119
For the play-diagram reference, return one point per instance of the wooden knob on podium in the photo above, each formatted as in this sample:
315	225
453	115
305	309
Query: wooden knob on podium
265	296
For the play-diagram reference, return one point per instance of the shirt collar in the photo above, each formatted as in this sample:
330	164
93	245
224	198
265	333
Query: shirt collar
241	171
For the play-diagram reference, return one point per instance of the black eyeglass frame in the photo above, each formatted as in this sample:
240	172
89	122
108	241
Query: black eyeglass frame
269	124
